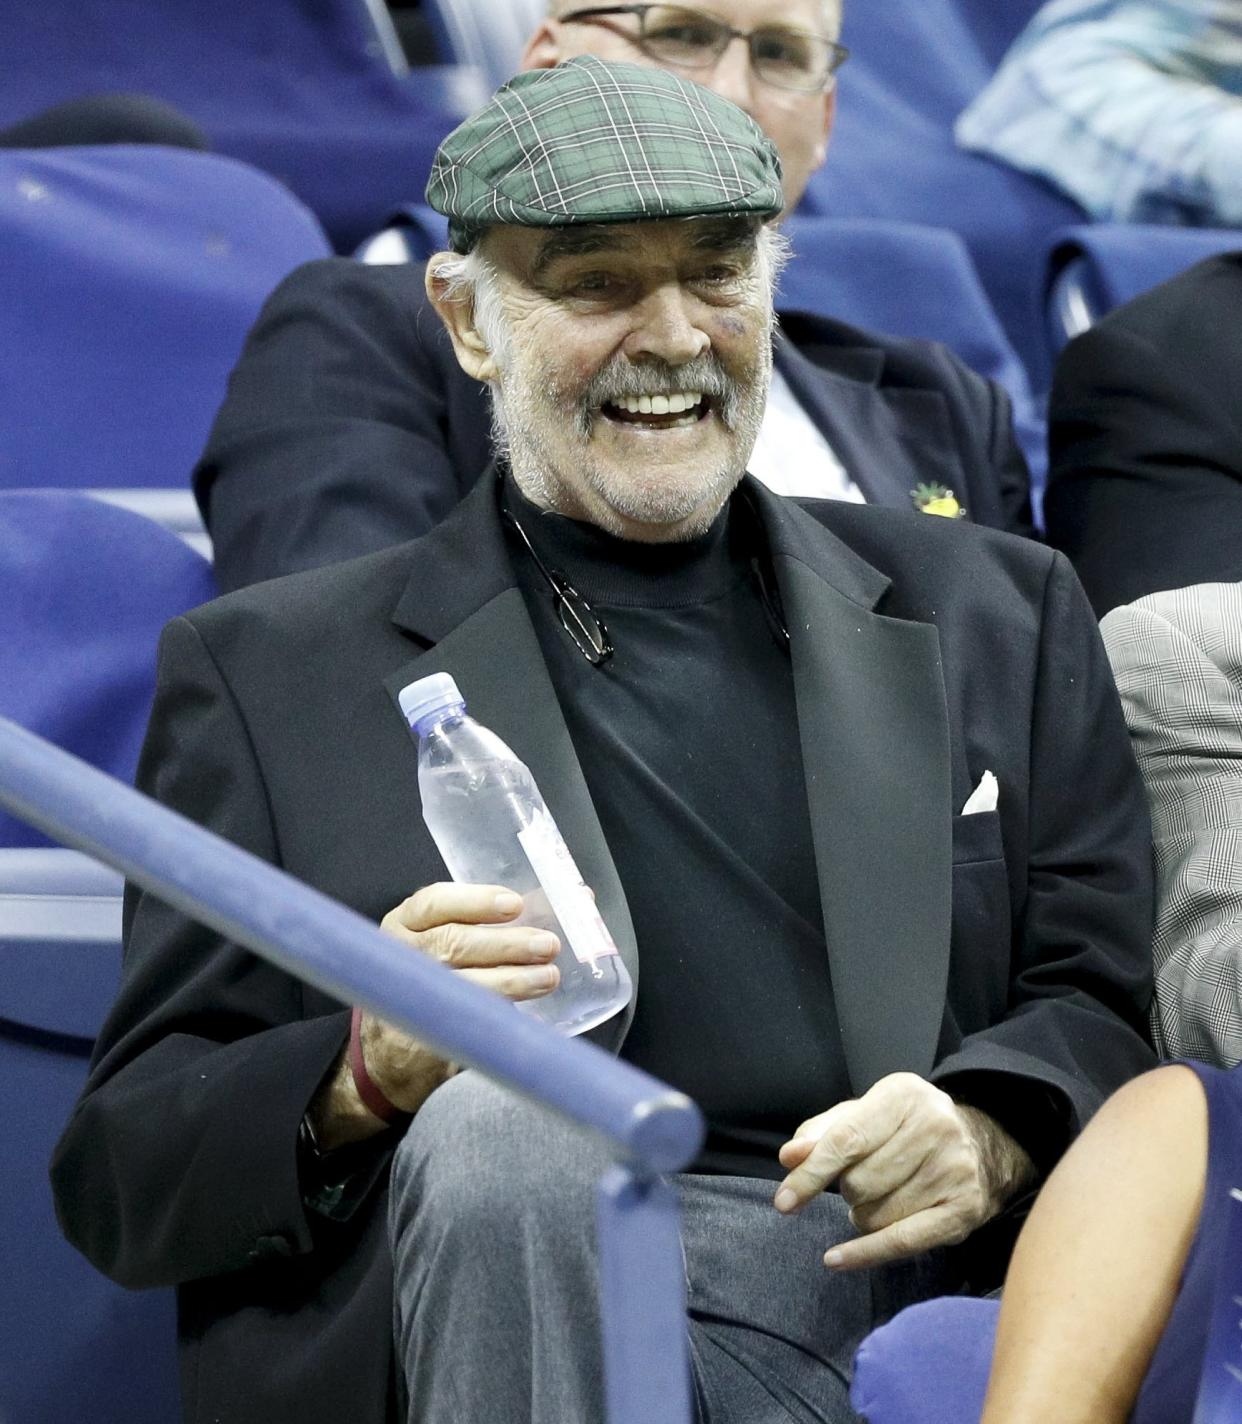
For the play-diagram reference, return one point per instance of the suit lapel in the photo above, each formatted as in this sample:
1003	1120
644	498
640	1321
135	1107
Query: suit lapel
462	600
864	422
873	725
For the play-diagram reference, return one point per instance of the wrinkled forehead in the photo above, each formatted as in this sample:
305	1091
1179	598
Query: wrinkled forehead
532	253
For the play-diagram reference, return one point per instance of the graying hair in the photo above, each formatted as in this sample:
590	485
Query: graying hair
472	278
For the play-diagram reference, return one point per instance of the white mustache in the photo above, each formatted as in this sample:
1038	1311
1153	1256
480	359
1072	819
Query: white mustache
622	377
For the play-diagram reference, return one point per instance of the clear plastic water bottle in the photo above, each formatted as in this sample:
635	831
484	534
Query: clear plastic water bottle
490	824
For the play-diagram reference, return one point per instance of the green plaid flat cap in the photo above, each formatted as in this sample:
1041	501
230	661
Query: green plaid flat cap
590	142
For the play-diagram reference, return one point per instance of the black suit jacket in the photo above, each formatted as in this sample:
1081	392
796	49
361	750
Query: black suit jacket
1145	476
989	951
349	426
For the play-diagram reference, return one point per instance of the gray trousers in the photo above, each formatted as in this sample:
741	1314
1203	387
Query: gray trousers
496	1321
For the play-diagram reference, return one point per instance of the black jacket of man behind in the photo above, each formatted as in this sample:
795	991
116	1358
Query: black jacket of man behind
1005	953
349	426
1145	440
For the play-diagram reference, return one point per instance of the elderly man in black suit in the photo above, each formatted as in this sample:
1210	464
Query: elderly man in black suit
854	784
348	425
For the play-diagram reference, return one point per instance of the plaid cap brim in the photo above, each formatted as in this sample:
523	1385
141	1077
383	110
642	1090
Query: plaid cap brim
592	142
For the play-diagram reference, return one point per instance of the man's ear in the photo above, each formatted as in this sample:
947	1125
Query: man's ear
457	313
543	49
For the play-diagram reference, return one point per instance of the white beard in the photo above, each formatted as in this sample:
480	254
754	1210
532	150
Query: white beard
527	400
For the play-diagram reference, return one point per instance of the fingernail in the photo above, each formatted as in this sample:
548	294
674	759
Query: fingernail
507	903
544	978
834	1260
786	1199
544	943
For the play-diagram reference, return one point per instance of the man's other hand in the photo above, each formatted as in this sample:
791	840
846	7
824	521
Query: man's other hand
469	929
916	1169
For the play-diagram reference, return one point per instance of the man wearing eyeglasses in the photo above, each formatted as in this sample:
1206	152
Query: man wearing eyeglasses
349	426
777	62
853	789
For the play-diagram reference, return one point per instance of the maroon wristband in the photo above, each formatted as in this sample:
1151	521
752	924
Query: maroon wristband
372	1096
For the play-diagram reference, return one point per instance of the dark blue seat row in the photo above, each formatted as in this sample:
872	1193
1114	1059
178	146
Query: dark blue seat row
87	587
311	91
130	278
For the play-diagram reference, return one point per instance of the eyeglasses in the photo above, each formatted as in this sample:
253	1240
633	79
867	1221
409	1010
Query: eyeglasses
577	616
695	39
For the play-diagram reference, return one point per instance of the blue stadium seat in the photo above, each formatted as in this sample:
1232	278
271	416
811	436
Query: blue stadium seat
86	588
928	1365
130	278
914	66
304	89
1099	266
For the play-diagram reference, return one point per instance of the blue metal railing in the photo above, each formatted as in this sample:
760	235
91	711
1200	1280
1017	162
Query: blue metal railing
654	1128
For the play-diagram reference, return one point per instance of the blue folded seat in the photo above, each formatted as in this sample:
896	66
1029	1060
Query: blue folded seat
86	588
1098	266
130	278
307	90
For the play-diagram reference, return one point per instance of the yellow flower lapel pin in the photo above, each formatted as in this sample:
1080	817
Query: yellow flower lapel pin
937	499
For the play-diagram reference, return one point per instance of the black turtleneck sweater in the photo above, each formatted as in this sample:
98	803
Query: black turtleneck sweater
688	740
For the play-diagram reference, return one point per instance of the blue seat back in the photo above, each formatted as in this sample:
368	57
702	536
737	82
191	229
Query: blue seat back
198	51
1098	266
303	89
86	588
928	1364
130	278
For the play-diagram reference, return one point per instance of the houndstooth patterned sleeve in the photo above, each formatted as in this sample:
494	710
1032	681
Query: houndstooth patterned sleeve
1177	658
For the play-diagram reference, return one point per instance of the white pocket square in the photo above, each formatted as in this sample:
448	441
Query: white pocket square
985	796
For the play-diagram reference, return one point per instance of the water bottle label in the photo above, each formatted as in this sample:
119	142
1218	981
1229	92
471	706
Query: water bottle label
567	894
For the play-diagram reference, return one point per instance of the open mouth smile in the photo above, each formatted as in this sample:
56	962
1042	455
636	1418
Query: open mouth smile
676	411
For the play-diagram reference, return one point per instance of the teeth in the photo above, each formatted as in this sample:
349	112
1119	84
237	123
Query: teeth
673	404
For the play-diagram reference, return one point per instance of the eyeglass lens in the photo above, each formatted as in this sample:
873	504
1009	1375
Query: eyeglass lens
582	625
788	58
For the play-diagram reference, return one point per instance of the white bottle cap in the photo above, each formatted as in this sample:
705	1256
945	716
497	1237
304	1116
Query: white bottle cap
428	694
